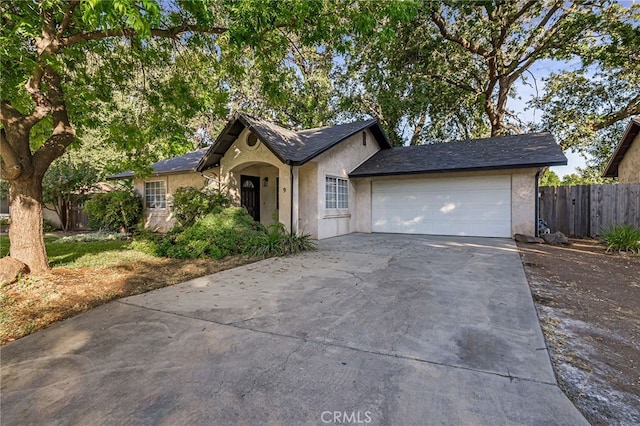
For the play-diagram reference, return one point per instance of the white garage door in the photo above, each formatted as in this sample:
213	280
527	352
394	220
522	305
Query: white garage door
477	206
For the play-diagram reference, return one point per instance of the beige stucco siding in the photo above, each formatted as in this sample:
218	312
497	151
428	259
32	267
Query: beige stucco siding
523	202
338	162
162	220
523	196
308	209
629	168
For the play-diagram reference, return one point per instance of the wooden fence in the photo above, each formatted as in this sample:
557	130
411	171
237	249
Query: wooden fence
586	210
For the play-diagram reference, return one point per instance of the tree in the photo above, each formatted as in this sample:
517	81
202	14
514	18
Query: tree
550	178
588	108
64	60
66	184
455	64
585	176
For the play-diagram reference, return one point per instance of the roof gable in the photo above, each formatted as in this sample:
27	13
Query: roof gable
290	147
623	146
502	152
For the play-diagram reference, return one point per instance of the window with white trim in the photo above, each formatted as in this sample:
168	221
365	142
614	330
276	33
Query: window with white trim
336	193
155	194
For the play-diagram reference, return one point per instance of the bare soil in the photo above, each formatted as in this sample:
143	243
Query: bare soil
588	302
34	303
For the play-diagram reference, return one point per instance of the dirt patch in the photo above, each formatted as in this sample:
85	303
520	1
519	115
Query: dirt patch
34	303
588	302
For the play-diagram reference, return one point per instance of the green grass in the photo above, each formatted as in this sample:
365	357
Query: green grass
85	254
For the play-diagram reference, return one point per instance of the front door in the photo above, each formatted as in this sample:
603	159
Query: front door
250	195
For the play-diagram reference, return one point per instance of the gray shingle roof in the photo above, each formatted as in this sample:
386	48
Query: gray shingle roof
289	146
184	163
502	152
629	135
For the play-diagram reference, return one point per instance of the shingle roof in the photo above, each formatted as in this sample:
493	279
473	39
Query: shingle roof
630	134
184	163
291	147
502	152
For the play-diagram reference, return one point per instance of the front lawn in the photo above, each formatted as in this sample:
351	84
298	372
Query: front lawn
75	254
87	274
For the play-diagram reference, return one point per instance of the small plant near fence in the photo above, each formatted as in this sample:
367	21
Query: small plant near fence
622	238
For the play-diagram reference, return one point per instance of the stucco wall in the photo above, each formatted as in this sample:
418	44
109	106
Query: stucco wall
162	220
308	199
523	202
523	197
339	161
629	168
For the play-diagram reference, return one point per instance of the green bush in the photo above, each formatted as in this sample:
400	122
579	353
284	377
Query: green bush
622	238
216	235
116	211
191	204
277	241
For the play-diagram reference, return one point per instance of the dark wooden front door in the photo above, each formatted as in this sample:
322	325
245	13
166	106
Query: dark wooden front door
250	195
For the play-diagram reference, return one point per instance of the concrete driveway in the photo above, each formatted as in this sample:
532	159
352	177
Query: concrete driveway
371	329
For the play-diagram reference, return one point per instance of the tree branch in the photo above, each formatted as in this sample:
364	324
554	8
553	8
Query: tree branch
63	132
632	108
67	17
512	19
10	169
527	60
42	104
464	43
171	32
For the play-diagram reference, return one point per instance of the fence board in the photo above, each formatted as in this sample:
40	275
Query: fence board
586	210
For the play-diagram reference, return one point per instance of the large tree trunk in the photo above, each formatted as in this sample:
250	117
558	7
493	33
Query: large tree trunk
25	231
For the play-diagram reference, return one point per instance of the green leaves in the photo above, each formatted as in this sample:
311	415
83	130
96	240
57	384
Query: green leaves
112	14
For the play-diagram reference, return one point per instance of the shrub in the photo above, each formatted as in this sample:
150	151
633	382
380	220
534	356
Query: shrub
622	238
116	211
277	241
191	204
216	235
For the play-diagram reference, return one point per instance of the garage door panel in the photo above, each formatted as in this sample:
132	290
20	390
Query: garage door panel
452	206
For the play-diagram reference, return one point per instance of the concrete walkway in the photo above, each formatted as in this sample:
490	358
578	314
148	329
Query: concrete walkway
371	329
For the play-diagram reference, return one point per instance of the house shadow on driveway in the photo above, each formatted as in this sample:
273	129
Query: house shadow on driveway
394	329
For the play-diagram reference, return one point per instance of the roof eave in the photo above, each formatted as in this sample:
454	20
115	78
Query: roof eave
154	174
630	133
461	169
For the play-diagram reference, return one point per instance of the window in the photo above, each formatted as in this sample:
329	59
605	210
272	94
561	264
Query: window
252	139
155	195
336	193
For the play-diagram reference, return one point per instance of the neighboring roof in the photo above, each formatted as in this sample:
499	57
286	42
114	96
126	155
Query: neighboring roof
291	147
182	164
627	139
502	152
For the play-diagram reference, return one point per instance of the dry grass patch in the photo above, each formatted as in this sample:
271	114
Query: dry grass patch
34	303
